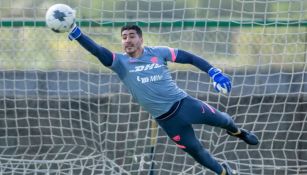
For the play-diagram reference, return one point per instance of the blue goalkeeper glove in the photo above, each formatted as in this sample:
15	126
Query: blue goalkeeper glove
75	32
220	81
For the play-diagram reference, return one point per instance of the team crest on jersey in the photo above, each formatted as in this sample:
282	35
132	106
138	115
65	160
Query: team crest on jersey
154	60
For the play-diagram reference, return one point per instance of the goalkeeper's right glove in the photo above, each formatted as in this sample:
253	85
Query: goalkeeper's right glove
75	32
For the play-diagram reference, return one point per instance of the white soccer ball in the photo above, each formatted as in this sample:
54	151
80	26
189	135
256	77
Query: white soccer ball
220	88
60	18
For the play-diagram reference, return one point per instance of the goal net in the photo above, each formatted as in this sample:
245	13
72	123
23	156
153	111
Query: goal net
62	112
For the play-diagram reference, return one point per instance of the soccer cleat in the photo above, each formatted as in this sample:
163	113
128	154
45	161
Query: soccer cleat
247	136
229	171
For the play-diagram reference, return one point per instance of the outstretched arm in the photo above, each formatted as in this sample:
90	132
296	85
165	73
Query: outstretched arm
220	81
104	55
188	58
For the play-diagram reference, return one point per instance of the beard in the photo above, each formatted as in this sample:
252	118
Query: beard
130	49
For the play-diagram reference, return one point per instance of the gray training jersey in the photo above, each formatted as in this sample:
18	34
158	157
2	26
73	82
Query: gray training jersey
148	78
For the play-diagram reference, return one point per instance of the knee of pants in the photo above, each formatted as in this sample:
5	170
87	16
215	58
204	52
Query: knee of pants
193	147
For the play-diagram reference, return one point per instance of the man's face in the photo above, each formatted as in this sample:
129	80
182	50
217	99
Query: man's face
131	42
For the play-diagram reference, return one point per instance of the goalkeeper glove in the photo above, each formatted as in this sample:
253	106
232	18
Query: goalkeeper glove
220	81
75	32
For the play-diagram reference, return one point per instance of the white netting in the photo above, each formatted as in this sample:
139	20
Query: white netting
62	112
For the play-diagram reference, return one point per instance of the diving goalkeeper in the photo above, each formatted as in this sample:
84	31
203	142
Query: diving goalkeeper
144	71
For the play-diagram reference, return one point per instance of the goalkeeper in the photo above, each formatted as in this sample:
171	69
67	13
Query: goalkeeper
144	71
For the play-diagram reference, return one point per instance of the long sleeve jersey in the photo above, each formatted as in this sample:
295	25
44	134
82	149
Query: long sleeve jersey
147	78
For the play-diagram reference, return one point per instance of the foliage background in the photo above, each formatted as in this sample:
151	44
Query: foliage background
30	47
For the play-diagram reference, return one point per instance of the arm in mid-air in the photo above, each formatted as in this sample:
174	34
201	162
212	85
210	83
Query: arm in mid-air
220	81
188	58
104	55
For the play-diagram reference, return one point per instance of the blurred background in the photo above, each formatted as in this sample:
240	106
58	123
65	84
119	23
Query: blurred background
236	33
62	112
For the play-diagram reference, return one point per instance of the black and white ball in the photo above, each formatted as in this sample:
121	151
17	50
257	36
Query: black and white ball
60	18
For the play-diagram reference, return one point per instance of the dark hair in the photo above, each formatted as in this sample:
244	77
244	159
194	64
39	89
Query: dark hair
132	27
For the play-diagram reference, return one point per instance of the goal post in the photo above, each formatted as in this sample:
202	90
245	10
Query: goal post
62	112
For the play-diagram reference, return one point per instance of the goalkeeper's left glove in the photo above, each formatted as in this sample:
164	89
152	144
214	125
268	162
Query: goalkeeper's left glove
75	32
220	81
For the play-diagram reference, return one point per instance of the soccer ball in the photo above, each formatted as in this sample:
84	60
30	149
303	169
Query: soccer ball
60	18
